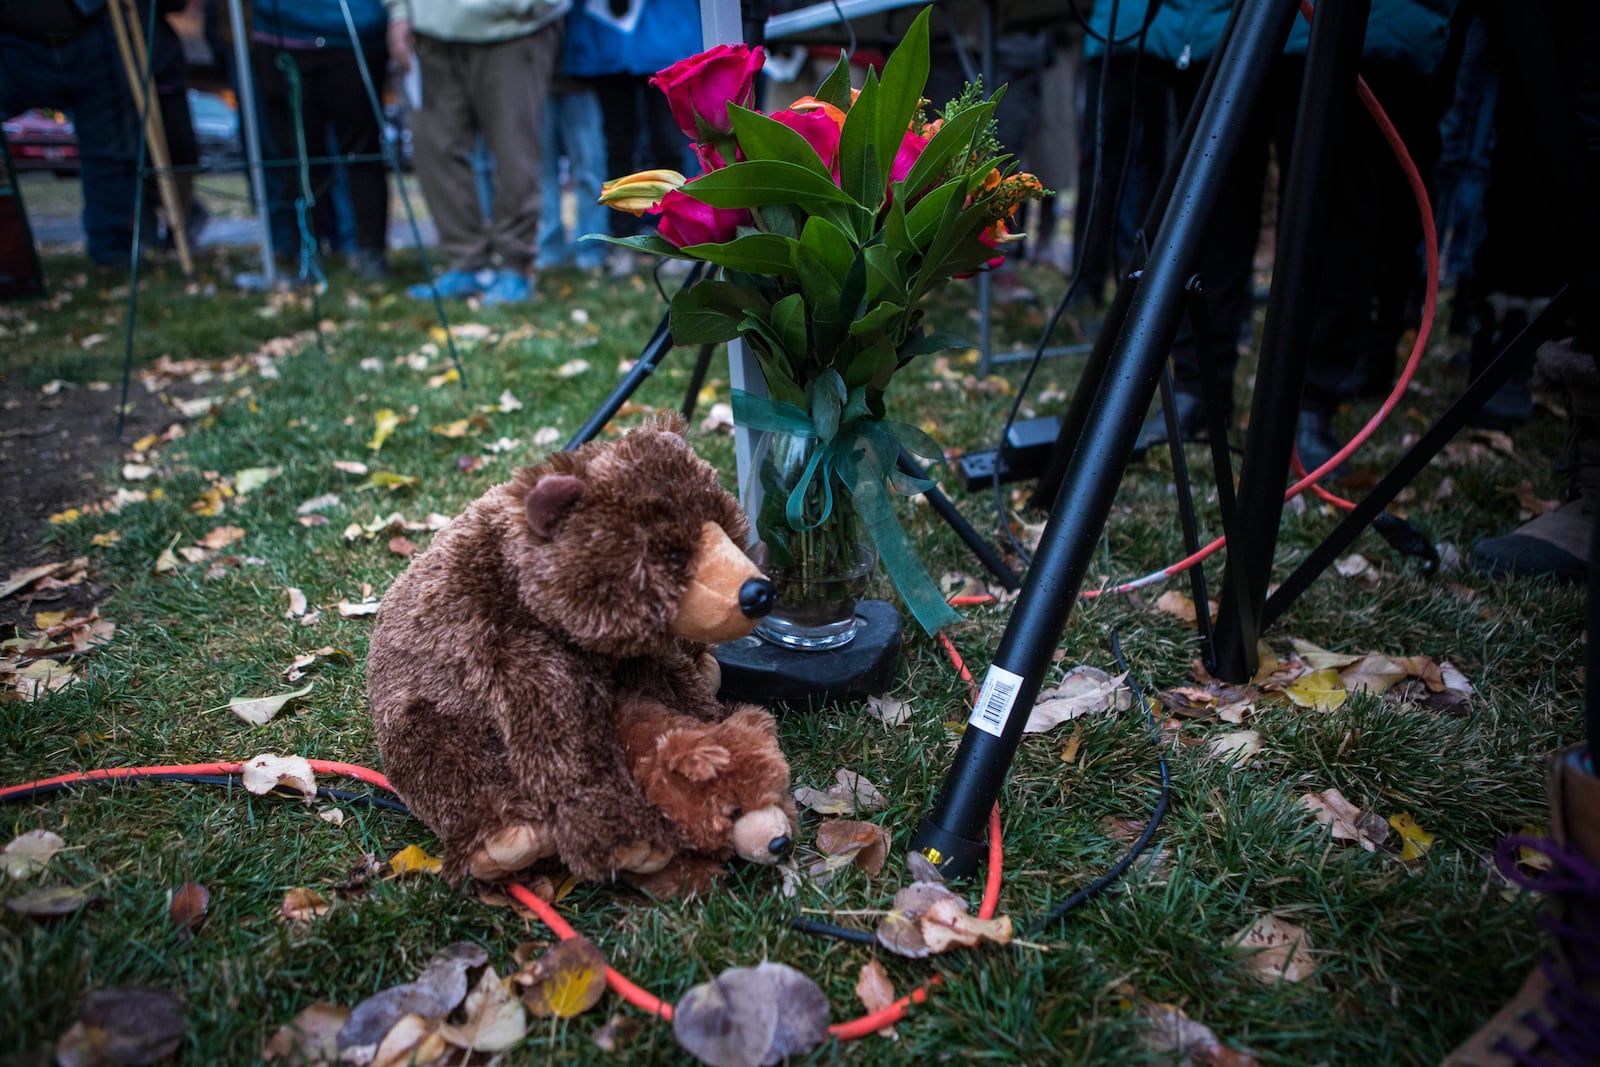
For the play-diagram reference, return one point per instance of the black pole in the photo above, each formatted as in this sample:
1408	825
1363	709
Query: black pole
958	522
697	378
643	367
952	835
1326	99
1072	423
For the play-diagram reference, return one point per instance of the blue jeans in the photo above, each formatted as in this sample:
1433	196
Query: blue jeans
573	127
84	78
1466	135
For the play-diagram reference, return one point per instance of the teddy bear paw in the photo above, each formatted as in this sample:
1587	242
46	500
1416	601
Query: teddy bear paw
641	857
509	850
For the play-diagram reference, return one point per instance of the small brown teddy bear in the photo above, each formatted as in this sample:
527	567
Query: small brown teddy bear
501	653
724	785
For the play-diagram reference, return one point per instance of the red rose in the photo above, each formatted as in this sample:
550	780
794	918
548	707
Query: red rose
820	131
911	147
710	159
686	221
701	87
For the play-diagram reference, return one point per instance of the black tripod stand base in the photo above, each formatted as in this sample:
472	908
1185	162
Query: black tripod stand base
762	673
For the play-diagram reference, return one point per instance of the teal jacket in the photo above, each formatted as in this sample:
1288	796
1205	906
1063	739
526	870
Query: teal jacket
1410	33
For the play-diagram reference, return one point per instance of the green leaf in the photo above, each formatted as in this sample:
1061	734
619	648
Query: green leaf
932	341
953	141
765	138
905	76
860	173
856	407
828	394
885	281
710	312
924	221
789	321
832	247
872	367
835	88
770	338
762	183
895	234
780	384
754	253
876	319
653	243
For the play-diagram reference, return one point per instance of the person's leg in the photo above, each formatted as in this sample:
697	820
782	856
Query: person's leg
552	231
445	129
88	73
586	157
509	82
356	128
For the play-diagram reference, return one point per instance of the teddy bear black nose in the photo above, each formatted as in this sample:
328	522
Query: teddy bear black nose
780	845
755	597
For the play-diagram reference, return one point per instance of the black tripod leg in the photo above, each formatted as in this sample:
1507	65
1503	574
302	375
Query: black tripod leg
958	522
952	835
697	378
1519	351
660	341
1327	96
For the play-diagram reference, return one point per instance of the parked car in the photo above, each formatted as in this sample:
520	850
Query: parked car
43	140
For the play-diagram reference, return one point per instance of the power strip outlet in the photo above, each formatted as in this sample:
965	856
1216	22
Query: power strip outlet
1026	452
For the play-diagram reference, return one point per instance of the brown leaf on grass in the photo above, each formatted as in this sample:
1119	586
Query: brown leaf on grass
927	919
1277	950
495	1018
351	610
890	711
1181	607
752	1016
1415	691
1530	503
268	772
1183	1041
566	981
221	537
876	991
297	603
258	711
1069	752
123	1025
30	853
618	1031
850	793
301	905
946	925
188	908
51	902
413	1041
435	993
1236	746
1083	691
310	1039
1349	823
21	579
402	546
304	661
846	842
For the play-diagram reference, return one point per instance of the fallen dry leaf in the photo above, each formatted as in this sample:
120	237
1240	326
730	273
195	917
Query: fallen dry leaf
616	1033
1349	823
1321	690
890	711
51	902
850	793
310	1039
352	610
301	905
123	1025
188	908
435	994
735	1020
221	537
268	772
928	918
1375	674
1278	950
414	860
1181	607
304	661
30	853
1237	746
862	844
1414	840
413	1041
876	991
297	603
350	466
568	980
1182	1041
258	711
495	1019
386	421
1083	691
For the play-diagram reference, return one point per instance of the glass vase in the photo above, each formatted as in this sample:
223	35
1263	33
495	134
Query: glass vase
818	572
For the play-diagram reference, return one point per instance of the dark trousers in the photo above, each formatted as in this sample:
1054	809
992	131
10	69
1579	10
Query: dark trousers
641	134
332	95
84	77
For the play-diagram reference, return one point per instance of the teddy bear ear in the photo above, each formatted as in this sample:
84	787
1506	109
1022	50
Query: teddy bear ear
549	501
753	718
688	753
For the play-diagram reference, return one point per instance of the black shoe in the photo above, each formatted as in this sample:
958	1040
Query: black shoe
1316	443
1191	419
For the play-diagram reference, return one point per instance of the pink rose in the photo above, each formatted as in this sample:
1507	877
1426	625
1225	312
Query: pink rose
820	131
710	159
911	147
988	237
686	221
701	87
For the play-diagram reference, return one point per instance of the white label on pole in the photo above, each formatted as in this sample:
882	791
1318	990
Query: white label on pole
993	708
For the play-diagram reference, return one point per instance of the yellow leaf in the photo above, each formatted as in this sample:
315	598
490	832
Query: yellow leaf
107	539
62	518
388	480
413	860
566	981
1415	840
1321	690
453	429
387	421
145	443
46	619
451	375
1069	754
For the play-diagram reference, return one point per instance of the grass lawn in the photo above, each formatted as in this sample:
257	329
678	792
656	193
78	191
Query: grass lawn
1409	957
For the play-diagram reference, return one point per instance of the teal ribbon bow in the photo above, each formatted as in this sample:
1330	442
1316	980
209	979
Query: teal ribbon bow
861	452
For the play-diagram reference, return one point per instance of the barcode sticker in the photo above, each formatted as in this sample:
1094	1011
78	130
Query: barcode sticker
993	708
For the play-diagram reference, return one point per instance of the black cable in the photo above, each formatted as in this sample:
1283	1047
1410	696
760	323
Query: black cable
1115	42
343	795
849	53
838	933
1078	256
1118	868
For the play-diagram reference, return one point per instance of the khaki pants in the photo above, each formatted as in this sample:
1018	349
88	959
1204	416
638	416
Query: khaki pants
497	89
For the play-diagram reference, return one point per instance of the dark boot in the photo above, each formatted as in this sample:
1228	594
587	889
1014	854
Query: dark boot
1556	543
1554	1020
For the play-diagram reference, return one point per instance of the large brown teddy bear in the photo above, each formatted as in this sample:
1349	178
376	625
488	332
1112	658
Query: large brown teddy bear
724	785
502	654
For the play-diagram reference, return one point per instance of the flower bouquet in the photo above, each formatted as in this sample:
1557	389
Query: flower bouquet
831	222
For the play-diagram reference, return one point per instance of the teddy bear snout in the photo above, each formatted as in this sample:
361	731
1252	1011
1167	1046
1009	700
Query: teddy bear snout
715	606
762	836
756	597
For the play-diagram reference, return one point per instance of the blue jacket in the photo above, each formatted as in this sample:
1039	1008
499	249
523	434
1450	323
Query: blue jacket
1411	33
664	32
319	20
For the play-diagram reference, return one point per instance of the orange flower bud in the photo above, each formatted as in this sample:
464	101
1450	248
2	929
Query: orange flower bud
811	103
641	192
